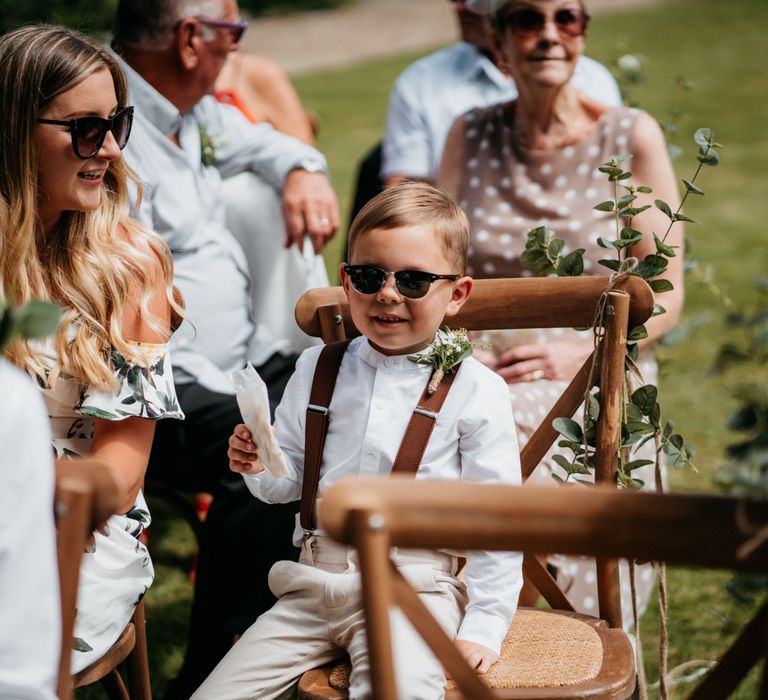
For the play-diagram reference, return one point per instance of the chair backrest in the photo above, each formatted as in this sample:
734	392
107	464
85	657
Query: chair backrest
497	304
86	494
601	522
564	302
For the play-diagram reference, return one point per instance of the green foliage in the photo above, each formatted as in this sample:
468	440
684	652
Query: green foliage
35	319
90	16
272	7
747	472
641	416
542	255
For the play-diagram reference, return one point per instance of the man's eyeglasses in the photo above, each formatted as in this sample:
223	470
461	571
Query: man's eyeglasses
88	133
412	284
235	29
526	22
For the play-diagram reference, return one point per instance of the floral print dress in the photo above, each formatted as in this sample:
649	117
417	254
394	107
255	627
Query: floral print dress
117	571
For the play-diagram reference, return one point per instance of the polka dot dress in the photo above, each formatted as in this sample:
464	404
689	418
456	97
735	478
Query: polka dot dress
506	190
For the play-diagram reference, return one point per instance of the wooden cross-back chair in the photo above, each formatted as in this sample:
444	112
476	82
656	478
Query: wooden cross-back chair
497	304
600	521
86	495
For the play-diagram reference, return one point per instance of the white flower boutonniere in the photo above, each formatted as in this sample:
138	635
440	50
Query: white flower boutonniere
450	348
209	143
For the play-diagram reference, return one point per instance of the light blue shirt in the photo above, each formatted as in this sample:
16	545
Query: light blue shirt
182	201
432	92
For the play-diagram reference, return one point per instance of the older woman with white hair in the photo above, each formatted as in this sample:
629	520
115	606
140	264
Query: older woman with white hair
534	162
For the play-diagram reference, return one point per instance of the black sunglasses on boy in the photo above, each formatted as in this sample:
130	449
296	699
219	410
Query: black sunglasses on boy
412	284
88	133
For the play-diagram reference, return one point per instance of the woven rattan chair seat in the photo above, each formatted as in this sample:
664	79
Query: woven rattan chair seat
541	649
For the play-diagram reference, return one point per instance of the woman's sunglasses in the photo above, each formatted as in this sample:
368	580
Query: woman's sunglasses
88	133
412	284
526	22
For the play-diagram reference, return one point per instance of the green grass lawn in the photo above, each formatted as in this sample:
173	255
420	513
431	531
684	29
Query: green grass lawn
720	48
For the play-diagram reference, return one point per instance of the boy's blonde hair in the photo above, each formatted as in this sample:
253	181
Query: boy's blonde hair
416	203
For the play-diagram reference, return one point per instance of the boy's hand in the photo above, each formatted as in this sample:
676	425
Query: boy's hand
476	655
242	453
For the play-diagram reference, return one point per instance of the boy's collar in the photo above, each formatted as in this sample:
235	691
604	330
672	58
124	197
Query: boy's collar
373	357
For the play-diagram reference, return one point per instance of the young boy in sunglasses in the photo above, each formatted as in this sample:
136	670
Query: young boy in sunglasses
407	255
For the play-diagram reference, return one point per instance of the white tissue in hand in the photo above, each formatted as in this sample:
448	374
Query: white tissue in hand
252	398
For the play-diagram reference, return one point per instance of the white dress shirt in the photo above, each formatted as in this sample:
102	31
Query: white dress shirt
182	200
432	92
474	440
30	609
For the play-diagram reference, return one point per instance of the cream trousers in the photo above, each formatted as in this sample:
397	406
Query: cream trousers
319	614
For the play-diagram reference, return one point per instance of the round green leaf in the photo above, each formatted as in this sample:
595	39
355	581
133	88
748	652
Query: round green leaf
663	206
568	428
645	398
691	188
708	156
704	136
661	285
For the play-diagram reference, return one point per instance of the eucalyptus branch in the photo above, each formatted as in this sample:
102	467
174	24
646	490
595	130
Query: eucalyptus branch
707	155
641	412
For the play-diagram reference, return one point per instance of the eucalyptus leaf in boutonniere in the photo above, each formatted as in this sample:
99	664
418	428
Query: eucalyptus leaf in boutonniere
449	348
209	143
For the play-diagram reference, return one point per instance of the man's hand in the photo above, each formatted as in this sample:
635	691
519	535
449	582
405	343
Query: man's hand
476	655
242	453
309	208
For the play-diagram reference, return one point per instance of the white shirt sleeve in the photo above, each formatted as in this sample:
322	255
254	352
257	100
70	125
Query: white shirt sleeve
29	580
490	454
406	146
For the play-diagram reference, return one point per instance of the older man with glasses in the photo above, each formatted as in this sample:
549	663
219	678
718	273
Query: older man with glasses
183	143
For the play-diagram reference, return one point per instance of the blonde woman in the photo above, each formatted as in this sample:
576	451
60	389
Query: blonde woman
65	235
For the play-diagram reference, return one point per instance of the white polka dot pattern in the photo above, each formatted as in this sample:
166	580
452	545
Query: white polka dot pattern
505	194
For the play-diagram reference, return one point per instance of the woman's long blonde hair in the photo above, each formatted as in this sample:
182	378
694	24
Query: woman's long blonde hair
87	263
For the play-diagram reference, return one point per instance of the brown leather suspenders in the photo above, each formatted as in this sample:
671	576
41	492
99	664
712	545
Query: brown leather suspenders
323	383
412	447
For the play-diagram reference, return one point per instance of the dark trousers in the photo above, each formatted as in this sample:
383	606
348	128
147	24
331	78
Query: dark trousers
241	537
